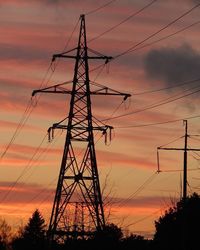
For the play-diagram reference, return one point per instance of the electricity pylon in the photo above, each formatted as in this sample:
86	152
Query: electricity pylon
78	179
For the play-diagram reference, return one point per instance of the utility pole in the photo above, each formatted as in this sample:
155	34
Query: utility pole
185	149
185	162
79	179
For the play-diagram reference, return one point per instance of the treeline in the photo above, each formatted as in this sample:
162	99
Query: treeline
177	229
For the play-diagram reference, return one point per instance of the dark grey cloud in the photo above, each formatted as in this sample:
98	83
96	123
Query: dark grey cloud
173	65
59	2
55	1
195	1
24	53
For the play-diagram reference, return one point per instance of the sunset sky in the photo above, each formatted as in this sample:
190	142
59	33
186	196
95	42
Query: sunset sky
155	72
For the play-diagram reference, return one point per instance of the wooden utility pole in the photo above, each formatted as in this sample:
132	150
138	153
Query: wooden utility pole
185	162
185	149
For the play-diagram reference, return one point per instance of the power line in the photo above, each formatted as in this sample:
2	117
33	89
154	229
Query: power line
157	32
29	108
70	37
25	169
99	8
37	195
178	170
25	116
170	87
158	123
157	104
135	47
46	188
144	218
171	141
17	130
44	152
154	42
166	37
163	38
123	21
135	193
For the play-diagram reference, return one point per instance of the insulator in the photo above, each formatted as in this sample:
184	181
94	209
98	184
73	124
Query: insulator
33	101
110	134
53	67
107	67
52	134
106	138
49	134
158	162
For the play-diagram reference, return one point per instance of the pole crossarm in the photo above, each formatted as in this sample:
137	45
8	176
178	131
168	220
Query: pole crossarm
188	149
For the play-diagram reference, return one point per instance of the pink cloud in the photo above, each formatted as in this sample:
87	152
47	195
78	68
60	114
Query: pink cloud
5	125
123	159
24	193
26	149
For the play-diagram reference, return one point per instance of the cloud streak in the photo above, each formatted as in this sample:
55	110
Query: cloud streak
18	53
24	193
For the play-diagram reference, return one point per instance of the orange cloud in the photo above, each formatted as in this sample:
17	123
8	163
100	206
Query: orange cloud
5	125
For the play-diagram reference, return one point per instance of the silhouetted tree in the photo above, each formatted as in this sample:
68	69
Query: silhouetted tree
111	233
108	238
178	228
133	241
33	235
5	235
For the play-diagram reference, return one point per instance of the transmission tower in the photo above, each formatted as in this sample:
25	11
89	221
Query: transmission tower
78	181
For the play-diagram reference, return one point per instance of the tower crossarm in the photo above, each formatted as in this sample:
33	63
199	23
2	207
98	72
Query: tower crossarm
101	90
100	128
106	58
82	57
104	129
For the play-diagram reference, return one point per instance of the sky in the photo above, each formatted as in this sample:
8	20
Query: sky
160	69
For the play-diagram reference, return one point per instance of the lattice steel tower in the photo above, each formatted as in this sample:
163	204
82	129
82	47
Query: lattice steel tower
78	181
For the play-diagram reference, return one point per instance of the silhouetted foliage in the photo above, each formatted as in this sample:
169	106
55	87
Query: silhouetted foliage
109	238
112	233
178	228
33	235
133	241
5	234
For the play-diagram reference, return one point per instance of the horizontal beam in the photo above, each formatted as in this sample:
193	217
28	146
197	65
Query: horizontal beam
54	90
60	126
83	57
81	93
77	177
180	149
